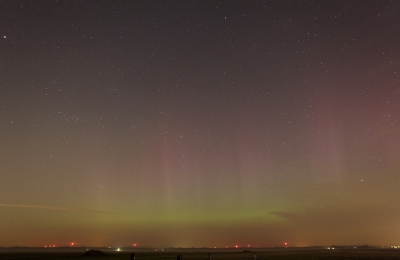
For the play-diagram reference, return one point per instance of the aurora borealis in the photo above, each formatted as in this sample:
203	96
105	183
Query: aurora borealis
199	123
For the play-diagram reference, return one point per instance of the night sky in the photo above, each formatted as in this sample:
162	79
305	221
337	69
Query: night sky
199	123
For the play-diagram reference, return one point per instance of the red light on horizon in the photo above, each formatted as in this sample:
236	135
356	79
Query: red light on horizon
134	244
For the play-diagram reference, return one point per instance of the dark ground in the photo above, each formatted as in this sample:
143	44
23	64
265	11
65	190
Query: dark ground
202	254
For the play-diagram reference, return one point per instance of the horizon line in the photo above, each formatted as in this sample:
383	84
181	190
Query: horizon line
33	206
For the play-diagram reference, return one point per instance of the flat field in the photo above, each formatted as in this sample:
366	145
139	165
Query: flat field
276	254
